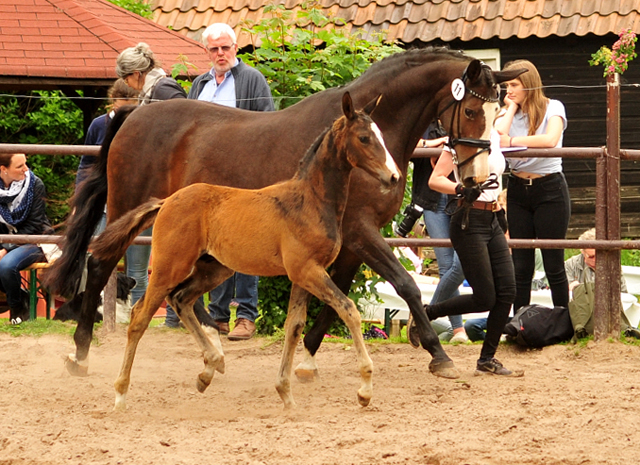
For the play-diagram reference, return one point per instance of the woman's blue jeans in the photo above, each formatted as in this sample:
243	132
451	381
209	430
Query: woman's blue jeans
449	267
138	267
11	265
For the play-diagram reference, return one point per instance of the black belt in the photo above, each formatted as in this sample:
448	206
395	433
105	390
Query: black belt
531	182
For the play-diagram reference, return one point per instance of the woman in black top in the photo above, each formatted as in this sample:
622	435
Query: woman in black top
22	211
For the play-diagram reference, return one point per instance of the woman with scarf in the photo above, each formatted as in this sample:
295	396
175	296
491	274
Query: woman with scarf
22	211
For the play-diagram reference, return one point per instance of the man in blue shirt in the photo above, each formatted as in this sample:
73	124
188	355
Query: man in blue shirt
232	83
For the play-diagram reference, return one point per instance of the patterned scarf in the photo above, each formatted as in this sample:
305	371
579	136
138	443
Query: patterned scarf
150	81
16	201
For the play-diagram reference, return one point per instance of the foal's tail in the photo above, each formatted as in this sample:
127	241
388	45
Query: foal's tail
113	242
87	206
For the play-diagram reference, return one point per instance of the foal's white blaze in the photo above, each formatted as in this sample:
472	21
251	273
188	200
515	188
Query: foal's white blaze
390	163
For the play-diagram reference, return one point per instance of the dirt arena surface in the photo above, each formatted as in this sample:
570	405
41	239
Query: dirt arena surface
574	406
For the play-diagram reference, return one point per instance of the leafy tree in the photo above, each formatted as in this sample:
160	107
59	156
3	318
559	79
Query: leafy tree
309	52
135	6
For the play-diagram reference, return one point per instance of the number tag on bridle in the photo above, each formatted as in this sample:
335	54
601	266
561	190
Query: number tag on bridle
457	89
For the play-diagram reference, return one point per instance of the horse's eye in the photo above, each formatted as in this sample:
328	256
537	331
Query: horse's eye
364	139
469	113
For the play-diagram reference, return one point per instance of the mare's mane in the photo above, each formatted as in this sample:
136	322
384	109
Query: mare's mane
413	57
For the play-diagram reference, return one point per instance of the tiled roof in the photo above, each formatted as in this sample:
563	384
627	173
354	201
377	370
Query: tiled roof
80	39
422	20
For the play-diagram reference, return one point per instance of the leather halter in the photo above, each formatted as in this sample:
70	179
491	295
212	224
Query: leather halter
483	144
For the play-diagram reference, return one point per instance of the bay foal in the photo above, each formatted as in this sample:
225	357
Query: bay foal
203	233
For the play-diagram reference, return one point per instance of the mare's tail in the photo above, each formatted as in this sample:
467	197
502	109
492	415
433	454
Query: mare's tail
87	206
114	240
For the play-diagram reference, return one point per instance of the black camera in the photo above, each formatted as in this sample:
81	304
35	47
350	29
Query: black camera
411	214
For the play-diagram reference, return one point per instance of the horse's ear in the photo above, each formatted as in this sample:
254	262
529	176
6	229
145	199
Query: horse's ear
508	75
474	70
347	106
372	105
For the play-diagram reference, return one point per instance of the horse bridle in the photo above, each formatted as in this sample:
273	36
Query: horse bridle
483	144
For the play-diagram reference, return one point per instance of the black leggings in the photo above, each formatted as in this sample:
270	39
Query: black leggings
486	261
539	211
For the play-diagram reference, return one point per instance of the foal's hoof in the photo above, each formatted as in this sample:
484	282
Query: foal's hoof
220	367
201	384
444	369
306	376
363	401
74	368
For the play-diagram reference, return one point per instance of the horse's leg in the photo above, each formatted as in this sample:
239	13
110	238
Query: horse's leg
318	282
98	273
293	326
208	274
369	245
141	315
342	272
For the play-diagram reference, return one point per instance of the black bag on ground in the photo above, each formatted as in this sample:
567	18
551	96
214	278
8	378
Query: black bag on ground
539	326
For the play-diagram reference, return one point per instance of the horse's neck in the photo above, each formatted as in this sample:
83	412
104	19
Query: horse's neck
326	176
409	103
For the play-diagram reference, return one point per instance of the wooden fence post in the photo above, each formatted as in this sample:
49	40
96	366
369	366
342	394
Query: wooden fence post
607	296
109	303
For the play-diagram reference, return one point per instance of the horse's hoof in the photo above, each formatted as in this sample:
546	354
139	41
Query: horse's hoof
363	401
74	368
120	404
202	385
220	367
444	369
306	376
290	406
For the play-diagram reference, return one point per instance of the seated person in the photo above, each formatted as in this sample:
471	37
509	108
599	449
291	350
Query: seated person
22	211
581	268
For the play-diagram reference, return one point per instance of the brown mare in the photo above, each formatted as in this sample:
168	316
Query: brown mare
157	149
293	228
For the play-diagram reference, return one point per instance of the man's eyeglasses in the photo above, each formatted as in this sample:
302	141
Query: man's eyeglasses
223	49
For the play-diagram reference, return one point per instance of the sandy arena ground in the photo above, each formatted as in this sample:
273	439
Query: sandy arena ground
574	406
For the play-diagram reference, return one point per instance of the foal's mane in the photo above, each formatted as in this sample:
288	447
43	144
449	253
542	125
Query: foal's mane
311	151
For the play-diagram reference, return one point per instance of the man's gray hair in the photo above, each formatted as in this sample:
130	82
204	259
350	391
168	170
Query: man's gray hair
138	58
216	30
589	235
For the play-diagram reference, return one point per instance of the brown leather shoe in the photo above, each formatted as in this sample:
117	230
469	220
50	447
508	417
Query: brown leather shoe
243	330
223	327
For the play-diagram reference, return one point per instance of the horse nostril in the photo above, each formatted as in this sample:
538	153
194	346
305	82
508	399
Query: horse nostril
395	178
